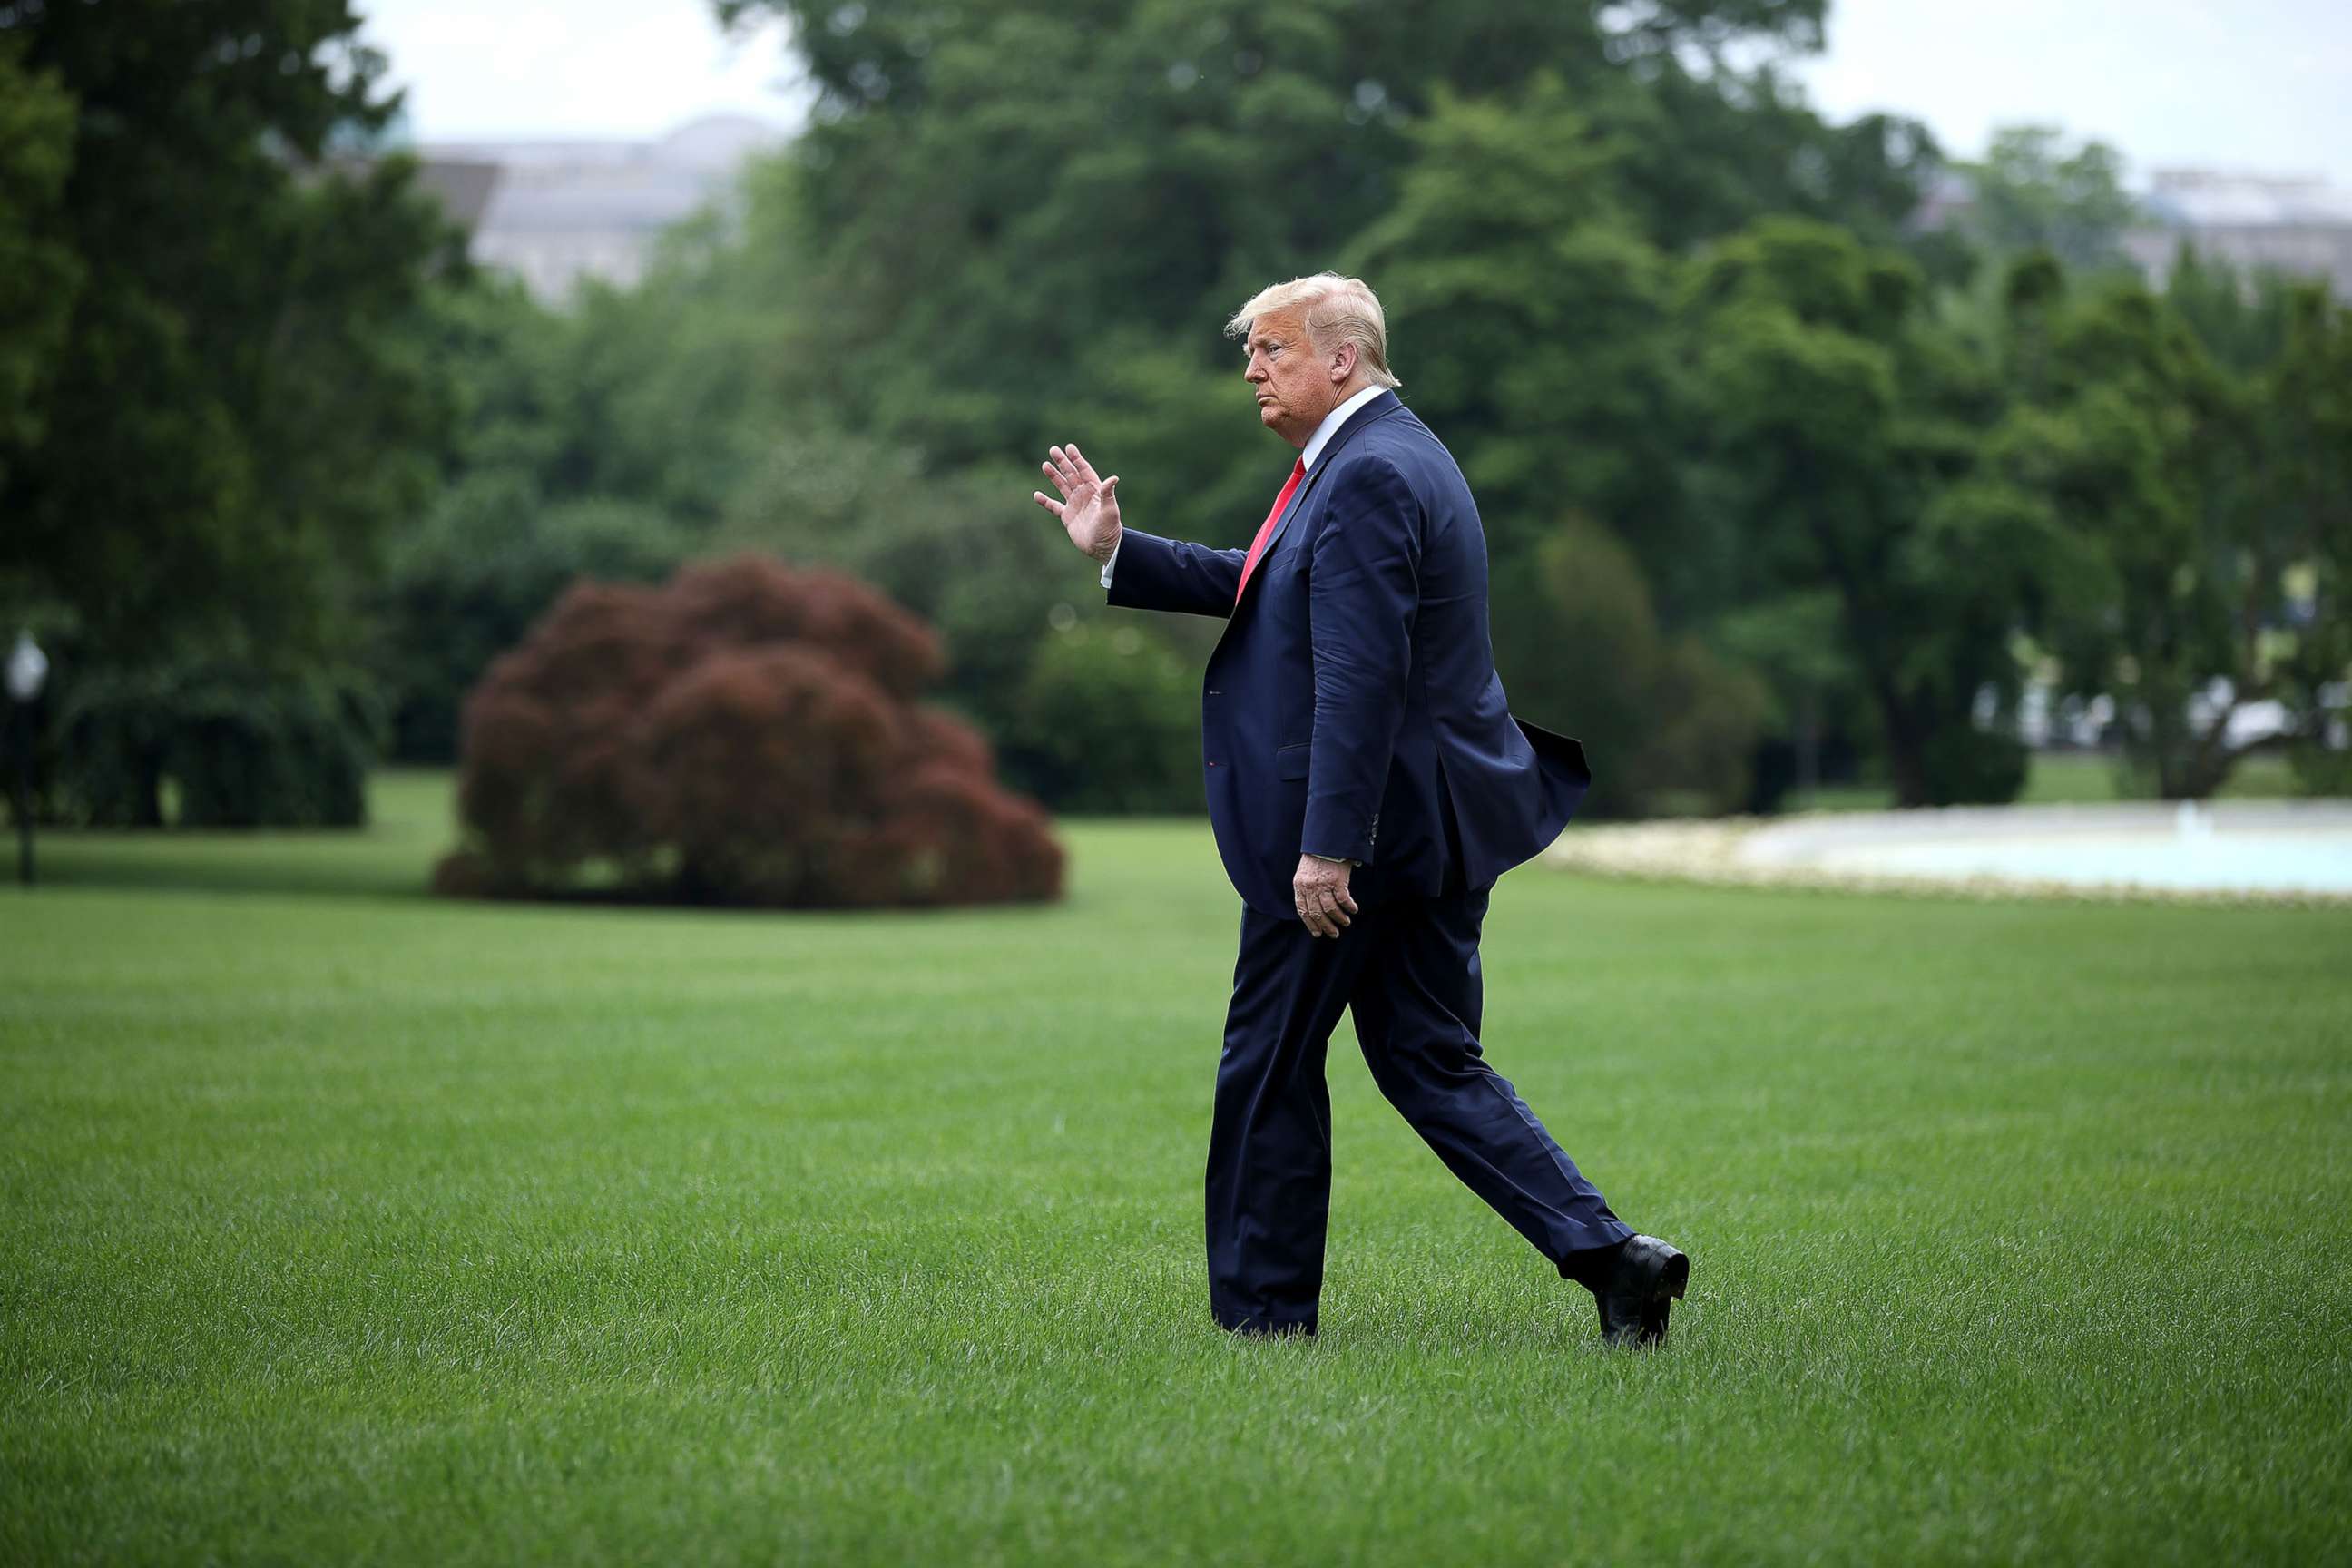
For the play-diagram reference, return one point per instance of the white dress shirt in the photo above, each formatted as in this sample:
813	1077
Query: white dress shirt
1306	458
1308	454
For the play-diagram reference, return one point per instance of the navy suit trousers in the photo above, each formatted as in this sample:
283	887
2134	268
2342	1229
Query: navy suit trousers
1408	970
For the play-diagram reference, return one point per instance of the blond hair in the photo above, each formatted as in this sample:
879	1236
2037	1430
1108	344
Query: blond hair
1337	310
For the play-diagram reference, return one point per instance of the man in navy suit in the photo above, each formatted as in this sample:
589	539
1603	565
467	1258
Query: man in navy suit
1367	784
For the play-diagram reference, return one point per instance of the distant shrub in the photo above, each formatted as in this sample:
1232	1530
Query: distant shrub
1972	767
478	571
2321	755
744	734
1109	719
240	746
2319	770
1671	727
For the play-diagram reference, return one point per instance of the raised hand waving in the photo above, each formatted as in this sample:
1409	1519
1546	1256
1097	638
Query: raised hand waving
1089	505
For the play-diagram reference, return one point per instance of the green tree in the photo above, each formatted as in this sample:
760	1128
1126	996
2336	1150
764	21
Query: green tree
1546	353
1013	223
39	274
1109	720
466	585
2291	342
1540	318
1671	726
2306	402
1816	704
677	383
1024	223
2208	511
1003	197
1845	427
2244	321
988	577
610	439
238	410
2032	192
663	393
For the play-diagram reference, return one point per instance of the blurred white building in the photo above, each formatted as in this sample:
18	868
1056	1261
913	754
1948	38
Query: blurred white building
2298	226
563	210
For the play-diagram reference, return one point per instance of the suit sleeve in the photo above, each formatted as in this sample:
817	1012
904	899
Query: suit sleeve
1363	591
1149	572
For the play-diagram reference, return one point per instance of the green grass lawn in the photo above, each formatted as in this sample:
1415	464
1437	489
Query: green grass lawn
343	1224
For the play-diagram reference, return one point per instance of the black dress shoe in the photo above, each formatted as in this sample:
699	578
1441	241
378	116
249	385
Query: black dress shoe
1641	1290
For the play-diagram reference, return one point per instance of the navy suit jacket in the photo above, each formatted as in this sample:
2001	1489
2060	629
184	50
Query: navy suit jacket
1352	707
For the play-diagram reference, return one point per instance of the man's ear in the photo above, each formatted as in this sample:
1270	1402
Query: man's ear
1343	363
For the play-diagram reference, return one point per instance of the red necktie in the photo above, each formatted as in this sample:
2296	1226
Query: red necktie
1265	529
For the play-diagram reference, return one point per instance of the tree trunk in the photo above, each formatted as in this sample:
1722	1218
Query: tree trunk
1906	750
147	807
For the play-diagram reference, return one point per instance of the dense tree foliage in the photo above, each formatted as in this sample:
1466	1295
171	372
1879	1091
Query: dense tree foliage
1534	319
487	561
40	273
1847	427
2207	508
1106	722
1677	722
1007	201
1775	481
236	413
241	745
2304	430
213	406
1678	330
1023	224
2032	193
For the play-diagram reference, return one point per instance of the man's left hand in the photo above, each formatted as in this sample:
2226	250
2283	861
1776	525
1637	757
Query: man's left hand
1321	891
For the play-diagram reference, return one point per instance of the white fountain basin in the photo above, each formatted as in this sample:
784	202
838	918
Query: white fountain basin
2253	846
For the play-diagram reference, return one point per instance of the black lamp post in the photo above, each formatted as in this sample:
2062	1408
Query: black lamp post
28	667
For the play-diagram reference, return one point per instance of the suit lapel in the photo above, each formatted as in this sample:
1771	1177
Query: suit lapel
1370	414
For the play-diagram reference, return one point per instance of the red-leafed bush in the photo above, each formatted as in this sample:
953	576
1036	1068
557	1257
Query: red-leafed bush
746	734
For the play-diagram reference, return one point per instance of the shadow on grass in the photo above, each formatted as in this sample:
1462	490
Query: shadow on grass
352	863
410	825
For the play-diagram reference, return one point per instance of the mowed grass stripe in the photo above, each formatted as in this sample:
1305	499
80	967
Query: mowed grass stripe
337	1222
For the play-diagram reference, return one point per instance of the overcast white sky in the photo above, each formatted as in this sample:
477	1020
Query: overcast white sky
2261	85
519	69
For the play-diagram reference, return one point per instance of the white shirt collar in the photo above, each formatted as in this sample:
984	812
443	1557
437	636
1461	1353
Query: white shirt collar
1331	426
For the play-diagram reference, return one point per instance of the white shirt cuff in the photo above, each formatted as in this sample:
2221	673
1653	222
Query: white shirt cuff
1113	561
